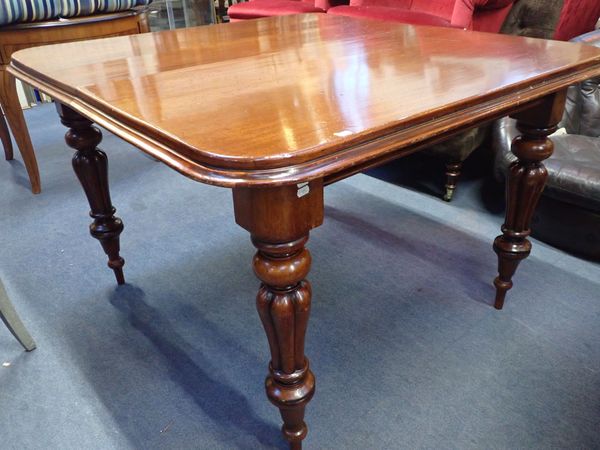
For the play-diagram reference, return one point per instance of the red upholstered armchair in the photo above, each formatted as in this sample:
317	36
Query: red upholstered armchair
480	15
255	9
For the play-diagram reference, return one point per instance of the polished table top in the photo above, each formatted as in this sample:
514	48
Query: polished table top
278	108
298	97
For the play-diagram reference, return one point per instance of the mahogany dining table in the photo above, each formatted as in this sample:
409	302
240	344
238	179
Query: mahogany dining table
276	109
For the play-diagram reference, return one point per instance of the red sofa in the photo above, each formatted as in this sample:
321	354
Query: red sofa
256	9
482	15
577	16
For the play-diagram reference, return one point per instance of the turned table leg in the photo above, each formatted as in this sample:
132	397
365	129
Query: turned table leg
283	304
91	167
452	175
525	183
279	220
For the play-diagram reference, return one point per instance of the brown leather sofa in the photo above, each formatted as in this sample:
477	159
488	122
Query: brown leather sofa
568	215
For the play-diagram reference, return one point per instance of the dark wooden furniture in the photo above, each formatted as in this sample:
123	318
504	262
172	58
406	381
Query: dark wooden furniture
568	214
25	35
308	100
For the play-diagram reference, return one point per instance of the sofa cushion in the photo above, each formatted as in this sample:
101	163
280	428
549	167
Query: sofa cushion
257	9
440	8
465	12
399	4
72	8
490	4
582	111
481	15
573	168
19	11
390	14
13	11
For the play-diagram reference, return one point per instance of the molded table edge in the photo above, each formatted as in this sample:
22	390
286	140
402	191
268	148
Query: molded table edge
334	166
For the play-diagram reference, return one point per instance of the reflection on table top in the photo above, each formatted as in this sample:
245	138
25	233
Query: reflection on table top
286	90
172	14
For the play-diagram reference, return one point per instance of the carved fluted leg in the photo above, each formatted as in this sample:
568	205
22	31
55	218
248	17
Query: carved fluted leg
283	304
91	167
525	183
279	220
452	174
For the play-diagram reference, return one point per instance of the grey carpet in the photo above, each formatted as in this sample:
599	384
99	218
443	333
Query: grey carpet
407	350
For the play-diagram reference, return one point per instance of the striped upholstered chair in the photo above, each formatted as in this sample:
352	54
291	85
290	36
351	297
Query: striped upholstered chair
30	23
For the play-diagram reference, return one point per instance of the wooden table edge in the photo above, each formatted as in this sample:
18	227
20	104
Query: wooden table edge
330	167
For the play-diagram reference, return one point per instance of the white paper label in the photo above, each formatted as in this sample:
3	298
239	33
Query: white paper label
303	189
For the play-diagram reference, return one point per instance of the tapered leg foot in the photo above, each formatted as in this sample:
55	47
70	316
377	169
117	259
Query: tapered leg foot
107	231
510	254
14	115
452	174
91	167
525	183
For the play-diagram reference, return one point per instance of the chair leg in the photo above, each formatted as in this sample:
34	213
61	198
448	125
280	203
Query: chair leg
452	173
5	138
11	319
14	115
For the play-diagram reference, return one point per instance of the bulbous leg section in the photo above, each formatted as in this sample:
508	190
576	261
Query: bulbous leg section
283	304
525	183
91	167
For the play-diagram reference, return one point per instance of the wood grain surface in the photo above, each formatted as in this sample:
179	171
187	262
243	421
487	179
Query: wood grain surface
294	98
259	105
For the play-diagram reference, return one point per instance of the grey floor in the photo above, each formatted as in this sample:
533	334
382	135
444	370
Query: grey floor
407	350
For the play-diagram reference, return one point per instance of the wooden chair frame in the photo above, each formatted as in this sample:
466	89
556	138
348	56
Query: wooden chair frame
20	36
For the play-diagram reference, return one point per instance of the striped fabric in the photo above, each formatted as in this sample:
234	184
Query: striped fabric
71	8
12	11
15	11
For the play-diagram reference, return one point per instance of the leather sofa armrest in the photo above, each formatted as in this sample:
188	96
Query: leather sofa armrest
503	133
582	112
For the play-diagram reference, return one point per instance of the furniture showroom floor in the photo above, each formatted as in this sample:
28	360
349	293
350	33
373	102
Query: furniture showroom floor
176	358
